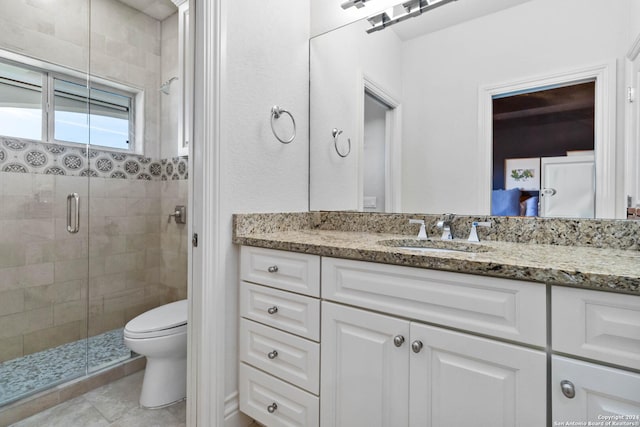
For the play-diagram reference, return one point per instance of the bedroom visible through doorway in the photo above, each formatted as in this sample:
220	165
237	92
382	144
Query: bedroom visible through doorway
543	151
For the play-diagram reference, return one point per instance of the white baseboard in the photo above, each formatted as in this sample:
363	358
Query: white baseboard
232	415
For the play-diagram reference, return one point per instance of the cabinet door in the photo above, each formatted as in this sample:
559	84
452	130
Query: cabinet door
601	393
365	376
462	380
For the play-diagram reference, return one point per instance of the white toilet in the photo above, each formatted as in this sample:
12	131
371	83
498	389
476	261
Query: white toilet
160	334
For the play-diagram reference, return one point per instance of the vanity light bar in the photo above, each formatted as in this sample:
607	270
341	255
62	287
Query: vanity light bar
401	12
357	3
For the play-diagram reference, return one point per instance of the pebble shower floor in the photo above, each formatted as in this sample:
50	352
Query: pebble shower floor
39	371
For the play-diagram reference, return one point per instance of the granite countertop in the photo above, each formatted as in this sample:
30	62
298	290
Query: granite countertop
585	267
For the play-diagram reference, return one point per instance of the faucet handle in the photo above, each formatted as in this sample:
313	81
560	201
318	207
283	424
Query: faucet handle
422	234
473	235
446	229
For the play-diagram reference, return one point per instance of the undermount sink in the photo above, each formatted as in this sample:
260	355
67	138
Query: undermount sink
430	246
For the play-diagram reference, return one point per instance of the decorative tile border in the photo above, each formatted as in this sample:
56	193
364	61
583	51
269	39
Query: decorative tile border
25	156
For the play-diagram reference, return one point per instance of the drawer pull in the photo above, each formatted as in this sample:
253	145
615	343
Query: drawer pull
568	389
272	310
398	340
273	354
272	408
416	346
273	269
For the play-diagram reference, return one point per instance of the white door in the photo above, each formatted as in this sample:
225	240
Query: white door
365	375
568	187
459	380
599	393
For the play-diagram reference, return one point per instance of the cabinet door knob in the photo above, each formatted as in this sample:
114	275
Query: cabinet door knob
398	340
272	408
272	310
568	389
273	354
416	346
272	269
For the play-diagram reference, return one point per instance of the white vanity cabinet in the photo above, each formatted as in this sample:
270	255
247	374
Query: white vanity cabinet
333	342
279	334
602	327
382	370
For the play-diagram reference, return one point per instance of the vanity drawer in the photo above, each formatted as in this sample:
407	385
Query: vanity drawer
293	313
596	325
289	271
291	358
509	309
275	403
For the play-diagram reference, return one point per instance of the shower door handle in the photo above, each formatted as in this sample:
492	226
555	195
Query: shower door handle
73	200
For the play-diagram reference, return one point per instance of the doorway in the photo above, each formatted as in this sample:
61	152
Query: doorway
379	186
543	146
374	153
604	77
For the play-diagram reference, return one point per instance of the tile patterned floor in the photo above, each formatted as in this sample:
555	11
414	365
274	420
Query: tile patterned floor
34	372
112	405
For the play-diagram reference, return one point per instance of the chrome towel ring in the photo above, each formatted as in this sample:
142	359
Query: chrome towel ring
276	112
336	133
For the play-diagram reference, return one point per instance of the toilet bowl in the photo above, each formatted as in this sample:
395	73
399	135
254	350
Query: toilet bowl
160	334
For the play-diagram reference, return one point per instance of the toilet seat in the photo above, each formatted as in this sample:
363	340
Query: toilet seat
155	334
165	320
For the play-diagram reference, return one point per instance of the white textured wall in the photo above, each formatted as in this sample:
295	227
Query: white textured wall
338	62
266	63
446	68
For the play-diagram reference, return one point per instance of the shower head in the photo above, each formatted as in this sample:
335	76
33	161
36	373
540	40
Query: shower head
164	87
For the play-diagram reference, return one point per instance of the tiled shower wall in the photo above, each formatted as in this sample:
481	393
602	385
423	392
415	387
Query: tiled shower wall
113	40
133	258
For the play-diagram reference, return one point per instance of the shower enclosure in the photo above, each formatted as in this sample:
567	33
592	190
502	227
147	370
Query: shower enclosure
89	171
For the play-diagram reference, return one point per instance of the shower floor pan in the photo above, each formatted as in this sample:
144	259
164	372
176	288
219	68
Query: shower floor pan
36	372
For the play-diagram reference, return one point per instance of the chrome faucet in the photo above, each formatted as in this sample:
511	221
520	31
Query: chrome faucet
422	234
473	235
445	224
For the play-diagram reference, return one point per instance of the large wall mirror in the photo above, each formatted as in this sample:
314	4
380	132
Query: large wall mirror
458	109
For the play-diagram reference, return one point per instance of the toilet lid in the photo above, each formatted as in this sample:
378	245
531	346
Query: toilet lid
160	318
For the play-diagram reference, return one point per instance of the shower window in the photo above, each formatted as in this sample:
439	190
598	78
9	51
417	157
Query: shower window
108	121
47	105
20	102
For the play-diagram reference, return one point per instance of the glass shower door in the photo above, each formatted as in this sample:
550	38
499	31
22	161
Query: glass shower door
44	194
